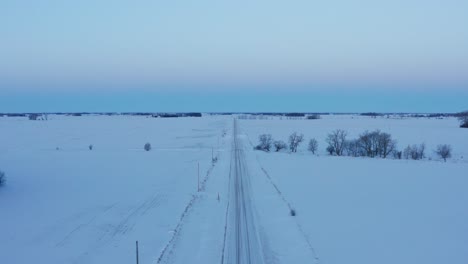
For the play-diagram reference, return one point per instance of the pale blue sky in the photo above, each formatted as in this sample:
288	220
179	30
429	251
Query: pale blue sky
416	51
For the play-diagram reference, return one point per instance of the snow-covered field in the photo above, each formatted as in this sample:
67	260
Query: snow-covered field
363	210
73	205
64	203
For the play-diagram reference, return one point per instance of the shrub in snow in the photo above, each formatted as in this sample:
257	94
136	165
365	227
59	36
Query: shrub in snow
90	147
336	142
414	152
2	178
265	142
292	212
313	145
258	147
444	151
294	140
279	145
147	147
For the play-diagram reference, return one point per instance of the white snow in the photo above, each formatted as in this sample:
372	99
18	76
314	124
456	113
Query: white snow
73	205
363	210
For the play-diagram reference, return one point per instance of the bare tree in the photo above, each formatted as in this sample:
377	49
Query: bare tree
294	140
421	151
337	141
279	145
368	141
386	145
313	145
444	151
265	142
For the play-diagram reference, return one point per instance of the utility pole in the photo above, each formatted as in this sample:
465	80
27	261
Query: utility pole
137	252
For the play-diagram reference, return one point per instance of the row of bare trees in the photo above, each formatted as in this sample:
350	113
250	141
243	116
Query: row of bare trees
266	142
378	144
368	144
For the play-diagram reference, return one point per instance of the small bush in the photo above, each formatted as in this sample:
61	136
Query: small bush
292	212
147	147
2	178
444	151
279	145
90	147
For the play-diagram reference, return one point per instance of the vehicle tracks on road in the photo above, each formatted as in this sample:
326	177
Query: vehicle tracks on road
243	243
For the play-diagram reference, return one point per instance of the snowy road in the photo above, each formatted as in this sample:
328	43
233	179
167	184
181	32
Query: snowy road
243	242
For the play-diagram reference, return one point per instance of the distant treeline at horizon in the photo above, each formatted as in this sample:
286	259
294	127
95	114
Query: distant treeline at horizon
200	114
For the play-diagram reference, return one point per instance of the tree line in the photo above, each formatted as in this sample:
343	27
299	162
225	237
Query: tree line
368	144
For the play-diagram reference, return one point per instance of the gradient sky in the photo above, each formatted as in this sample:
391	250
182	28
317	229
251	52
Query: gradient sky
213	55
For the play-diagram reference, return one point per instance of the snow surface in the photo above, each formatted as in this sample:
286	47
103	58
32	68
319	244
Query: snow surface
73	205
363	210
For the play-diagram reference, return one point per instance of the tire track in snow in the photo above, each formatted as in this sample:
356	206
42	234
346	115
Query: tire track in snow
243	240
68	236
127	223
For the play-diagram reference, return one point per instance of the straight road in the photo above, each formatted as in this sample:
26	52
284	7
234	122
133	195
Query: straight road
243	240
